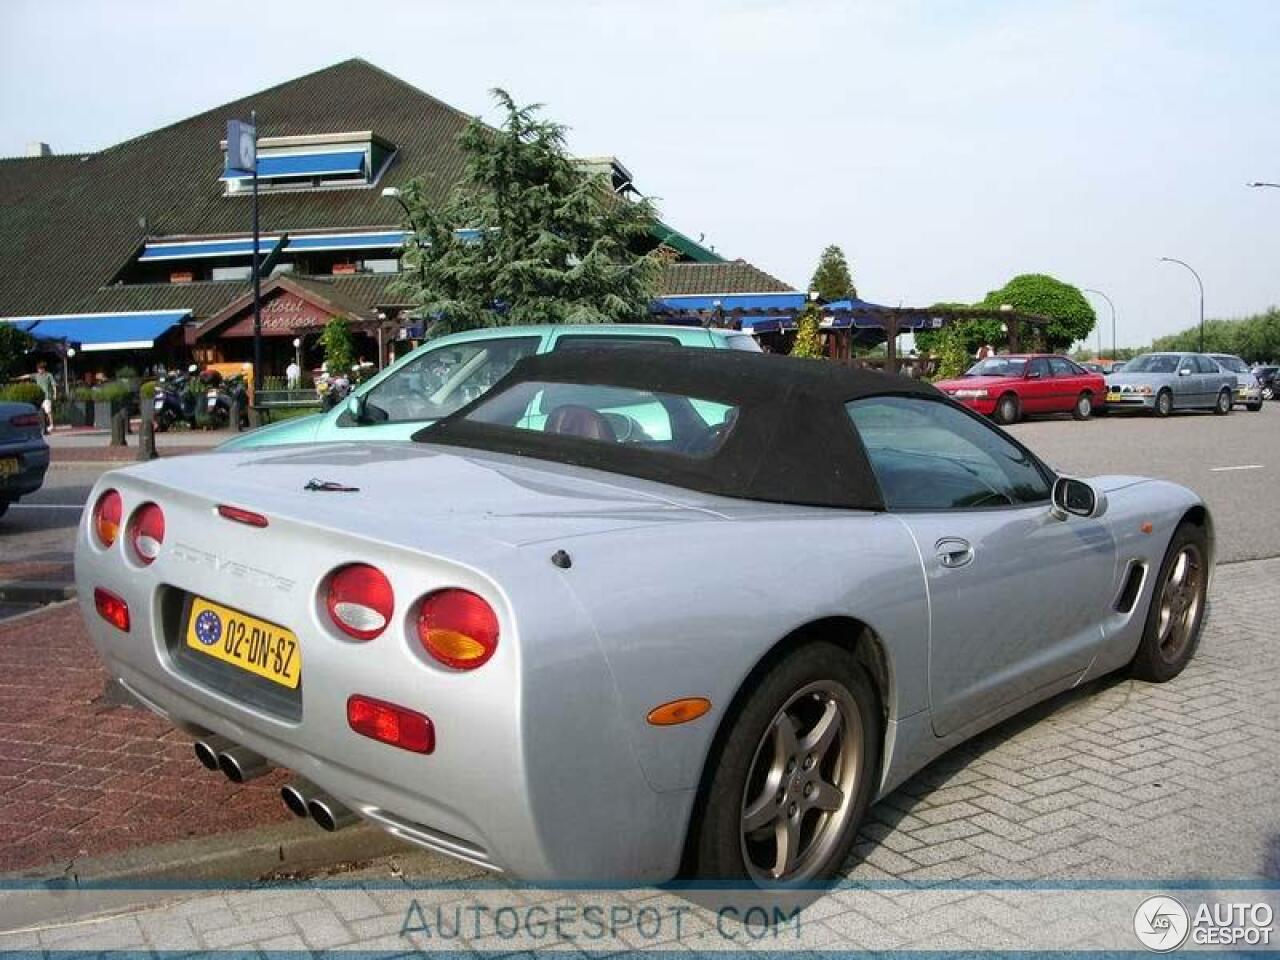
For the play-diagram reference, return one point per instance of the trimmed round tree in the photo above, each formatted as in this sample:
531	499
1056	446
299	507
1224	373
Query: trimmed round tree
1071	316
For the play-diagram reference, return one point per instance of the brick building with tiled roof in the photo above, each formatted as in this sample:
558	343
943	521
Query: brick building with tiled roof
151	229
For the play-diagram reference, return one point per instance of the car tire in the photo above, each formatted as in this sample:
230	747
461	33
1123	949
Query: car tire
1268	392
1164	403
747	774
1084	406
1223	405
1008	410
4	507
1172	629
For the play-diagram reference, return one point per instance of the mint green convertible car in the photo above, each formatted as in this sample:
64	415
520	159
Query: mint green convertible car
441	376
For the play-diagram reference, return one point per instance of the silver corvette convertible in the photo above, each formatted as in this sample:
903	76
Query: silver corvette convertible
632	615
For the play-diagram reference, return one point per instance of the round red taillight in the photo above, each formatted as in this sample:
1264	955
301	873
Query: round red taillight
360	601
458	628
146	533
107	514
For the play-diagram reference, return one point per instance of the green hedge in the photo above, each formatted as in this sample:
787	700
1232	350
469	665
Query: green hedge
22	393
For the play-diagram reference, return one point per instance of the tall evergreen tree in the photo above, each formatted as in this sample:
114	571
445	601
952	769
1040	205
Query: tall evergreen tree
528	237
832	279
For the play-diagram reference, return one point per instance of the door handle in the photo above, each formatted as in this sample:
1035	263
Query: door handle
954	552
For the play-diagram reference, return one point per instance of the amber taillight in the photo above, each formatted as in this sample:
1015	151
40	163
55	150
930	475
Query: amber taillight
107	514
458	628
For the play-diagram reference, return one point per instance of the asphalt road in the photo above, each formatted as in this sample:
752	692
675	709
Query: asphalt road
1233	462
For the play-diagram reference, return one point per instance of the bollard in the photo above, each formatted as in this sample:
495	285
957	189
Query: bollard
119	427
147	432
236	412
255	417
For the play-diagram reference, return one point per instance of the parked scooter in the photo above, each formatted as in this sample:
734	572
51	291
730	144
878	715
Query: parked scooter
174	400
224	394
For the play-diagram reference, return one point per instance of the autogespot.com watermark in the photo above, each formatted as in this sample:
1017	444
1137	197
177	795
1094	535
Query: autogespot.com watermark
1162	923
596	922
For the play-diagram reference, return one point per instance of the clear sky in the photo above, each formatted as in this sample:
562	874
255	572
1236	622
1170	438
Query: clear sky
946	145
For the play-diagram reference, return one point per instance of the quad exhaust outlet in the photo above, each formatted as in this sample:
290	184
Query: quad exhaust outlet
208	748
305	799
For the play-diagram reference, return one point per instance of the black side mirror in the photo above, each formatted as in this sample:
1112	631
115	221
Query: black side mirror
1077	498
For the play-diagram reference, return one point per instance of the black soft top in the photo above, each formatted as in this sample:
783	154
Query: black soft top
792	442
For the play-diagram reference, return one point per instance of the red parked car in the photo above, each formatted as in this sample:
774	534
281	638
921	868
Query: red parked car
1007	388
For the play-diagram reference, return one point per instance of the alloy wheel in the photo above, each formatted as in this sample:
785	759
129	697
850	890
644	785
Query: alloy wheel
802	784
1180	598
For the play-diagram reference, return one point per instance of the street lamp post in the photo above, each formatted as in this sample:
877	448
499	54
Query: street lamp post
393	193
1200	284
1113	323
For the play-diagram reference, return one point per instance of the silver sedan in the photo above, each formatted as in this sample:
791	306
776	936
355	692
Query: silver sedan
1161	383
631	614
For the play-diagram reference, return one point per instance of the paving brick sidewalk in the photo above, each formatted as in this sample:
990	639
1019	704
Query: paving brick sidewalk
1117	787
79	777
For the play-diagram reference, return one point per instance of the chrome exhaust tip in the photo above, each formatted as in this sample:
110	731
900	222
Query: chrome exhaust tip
241	764
295	795
330	814
208	748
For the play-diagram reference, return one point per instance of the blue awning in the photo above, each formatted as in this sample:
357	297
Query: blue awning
193	249
788	301
345	241
345	163
108	331
862	315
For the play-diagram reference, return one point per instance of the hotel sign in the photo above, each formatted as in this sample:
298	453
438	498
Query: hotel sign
285	314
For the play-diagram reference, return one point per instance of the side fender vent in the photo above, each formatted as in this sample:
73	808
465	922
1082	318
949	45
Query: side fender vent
1132	586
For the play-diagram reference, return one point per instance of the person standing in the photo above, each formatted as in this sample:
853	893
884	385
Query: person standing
293	375
49	387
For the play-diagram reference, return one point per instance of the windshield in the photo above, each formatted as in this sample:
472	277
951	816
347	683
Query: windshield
998	367
441	380
663	422
1153	363
1234	364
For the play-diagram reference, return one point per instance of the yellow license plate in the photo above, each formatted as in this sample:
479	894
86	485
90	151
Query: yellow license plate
251	644
8	466
1113	398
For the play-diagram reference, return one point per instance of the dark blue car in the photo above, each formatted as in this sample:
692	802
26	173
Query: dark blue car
24	456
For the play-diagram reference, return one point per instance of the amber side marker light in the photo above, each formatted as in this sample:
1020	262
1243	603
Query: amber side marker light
678	711
1146	526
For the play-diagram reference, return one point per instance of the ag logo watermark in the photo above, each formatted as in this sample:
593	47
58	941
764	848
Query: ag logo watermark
1161	923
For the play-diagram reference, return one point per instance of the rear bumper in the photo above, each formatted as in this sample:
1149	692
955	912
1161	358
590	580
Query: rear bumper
33	463
533	773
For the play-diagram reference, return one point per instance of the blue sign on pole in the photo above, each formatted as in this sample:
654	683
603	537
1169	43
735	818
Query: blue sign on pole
242	147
